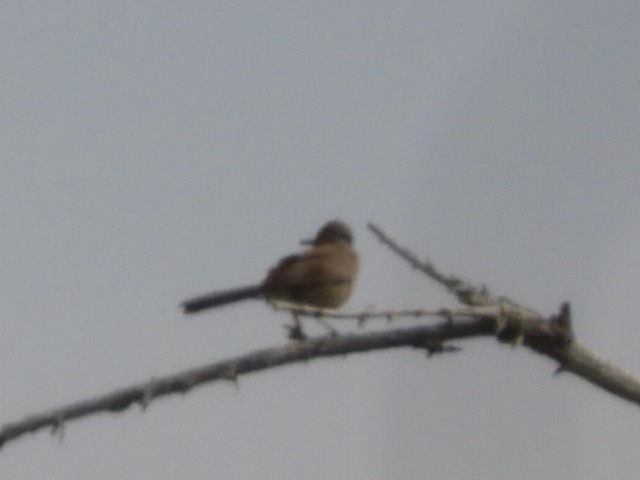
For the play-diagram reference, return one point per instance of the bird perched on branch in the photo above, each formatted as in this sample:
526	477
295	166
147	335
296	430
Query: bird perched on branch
322	276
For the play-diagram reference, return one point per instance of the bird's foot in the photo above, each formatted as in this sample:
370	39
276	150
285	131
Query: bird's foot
295	332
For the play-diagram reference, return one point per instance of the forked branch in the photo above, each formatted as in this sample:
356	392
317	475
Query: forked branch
480	315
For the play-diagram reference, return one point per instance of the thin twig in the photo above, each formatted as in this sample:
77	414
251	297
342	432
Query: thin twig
390	314
467	294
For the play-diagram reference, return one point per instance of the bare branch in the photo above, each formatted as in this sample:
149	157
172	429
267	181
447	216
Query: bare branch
429	338
585	363
467	294
552	338
483	315
389	314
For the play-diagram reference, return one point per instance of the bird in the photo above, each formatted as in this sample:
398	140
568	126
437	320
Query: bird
322	276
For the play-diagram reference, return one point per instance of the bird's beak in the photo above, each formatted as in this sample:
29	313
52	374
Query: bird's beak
306	241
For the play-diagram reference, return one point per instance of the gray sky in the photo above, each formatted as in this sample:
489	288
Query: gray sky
155	150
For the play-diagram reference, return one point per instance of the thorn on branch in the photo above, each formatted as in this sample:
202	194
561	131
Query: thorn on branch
146	397
437	348
57	428
559	370
447	315
561	324
230	373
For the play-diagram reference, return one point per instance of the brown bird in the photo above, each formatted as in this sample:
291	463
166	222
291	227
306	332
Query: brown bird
322	276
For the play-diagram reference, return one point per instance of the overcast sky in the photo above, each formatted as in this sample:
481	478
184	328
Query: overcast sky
155	150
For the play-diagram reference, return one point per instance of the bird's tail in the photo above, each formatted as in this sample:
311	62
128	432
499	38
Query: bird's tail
216	299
